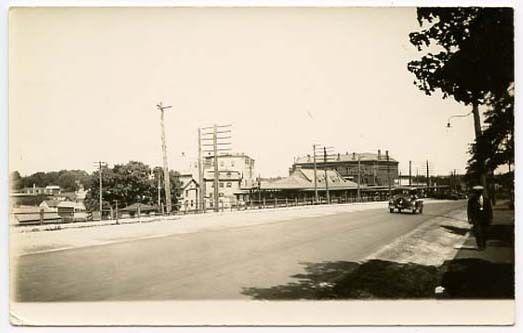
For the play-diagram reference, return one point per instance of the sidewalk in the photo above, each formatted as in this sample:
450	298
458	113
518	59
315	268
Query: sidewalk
488	273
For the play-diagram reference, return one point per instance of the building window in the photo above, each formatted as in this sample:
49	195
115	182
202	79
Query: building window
229	184
229	173
220	194
232	163
192	203
221	184
186	193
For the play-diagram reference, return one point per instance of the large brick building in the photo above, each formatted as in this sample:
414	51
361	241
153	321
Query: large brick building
375	169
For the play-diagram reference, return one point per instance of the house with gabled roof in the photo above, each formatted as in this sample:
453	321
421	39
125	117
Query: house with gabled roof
189	193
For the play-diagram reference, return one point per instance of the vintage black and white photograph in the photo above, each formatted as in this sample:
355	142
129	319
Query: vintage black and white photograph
305	154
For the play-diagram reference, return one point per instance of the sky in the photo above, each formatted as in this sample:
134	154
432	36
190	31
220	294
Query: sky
84	82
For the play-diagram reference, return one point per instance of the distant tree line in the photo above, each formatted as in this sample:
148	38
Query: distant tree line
68	180
133	182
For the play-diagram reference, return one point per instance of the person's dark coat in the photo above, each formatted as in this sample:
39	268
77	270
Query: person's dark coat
476	215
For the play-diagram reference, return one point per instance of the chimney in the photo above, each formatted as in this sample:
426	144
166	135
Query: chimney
308	158
338	156
379	154
353	156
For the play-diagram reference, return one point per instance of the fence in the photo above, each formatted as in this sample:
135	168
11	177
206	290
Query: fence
266	203
51	217
37	217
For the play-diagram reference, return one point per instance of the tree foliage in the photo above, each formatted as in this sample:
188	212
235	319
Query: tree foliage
469	52
469	55
495	146
68	180
134	182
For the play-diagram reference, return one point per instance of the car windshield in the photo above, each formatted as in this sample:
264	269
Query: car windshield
403	192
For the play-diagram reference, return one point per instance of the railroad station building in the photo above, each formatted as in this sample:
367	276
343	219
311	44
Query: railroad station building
375	169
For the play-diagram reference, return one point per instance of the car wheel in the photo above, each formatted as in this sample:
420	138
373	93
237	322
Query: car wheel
399	210
391	210
421	210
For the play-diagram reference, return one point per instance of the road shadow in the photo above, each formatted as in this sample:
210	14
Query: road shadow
374	279
501	235
379	279
472	278
455	230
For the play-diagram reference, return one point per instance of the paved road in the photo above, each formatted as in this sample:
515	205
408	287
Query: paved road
211	264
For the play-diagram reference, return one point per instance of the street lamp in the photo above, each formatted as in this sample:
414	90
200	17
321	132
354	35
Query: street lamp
457	116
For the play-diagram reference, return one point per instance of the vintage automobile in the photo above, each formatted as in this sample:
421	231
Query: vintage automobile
404	199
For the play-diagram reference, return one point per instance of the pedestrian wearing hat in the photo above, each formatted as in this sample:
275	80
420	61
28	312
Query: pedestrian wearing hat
479	212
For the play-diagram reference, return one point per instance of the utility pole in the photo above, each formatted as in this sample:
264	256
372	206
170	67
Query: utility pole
326	176
375	173
216	170
217	146
477	132
116	203
359	177
315	174
166	179
100	164
259	190
428	179
410	173
160	194
201	181
388	171
100	204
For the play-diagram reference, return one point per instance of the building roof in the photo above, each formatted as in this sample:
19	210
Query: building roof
68	195
345	158
71	204
51	203
303	179
187	181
